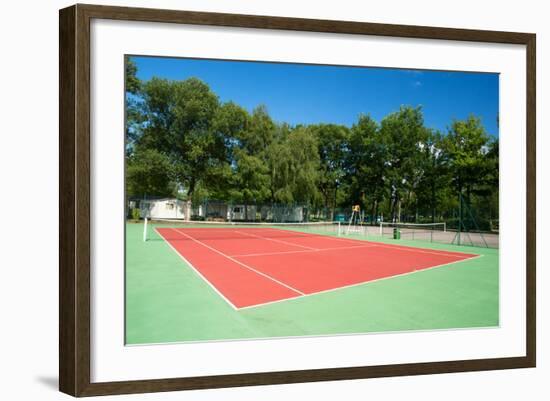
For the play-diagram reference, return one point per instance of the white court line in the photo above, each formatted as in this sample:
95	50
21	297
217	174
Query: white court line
197	272
375	244
238	262
311	234
332	237
305	251
361	283
278	240
434	252
381	244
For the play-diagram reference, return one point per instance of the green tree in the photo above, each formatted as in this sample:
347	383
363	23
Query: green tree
260	132
404	134
250	148
467	146
134	118
180	118
251	179
366	165
294	167
304	165
433	187
230	123
485	195
132	82
279	171
332	143
149	173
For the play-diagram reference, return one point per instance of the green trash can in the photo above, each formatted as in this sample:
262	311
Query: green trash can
396	233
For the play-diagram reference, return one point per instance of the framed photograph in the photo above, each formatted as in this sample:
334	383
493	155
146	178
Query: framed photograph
250	200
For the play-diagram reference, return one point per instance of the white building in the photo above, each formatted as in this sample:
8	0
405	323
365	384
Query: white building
168	208
171	208
238	212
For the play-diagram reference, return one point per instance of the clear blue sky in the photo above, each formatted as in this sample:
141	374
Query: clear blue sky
306	94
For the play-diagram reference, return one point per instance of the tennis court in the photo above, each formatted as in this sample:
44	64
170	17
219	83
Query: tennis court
252	266
194	287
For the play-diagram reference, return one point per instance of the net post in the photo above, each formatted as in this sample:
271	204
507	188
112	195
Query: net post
145	229
381	228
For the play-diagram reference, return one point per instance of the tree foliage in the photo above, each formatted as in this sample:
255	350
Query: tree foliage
467	147
149	173
366	163
180	117
332	150
132	82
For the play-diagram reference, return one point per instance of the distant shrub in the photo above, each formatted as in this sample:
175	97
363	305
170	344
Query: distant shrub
136	214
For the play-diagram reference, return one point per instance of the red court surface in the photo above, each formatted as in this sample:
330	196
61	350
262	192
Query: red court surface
253	266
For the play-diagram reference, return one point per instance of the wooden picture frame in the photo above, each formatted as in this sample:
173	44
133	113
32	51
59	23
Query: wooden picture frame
74	203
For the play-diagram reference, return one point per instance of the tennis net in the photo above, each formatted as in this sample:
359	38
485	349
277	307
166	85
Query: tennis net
412	230
205	230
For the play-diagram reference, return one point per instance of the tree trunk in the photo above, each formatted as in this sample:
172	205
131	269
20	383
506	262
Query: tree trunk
191	188
187	210
335	198
393	210
390	207
433	201
325	193
399	211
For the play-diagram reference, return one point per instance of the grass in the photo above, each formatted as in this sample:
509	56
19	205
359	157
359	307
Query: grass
167	302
